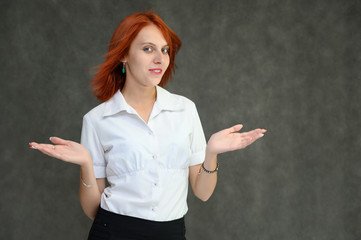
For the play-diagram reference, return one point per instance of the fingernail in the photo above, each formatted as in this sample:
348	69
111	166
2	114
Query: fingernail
261	135
33	147
50	138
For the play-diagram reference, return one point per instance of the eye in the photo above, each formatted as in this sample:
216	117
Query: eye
148	49
165	50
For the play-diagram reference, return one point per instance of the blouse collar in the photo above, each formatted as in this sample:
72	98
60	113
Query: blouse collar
165	101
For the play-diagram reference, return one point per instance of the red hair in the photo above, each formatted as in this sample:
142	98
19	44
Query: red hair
109	78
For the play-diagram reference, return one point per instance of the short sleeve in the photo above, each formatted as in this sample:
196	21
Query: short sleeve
198	140
90	140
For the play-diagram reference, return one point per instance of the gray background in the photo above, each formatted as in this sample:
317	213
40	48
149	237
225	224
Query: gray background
292	67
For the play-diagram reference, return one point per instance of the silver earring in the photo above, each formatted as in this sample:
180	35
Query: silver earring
123	69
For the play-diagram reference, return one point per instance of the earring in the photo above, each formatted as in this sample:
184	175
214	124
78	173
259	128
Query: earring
123	69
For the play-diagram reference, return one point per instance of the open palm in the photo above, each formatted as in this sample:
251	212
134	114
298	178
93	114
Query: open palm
64	150
230	139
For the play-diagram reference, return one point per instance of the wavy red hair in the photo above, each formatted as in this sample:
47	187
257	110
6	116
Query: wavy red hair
109	78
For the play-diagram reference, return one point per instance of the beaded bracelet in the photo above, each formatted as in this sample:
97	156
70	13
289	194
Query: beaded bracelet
86	185
207	171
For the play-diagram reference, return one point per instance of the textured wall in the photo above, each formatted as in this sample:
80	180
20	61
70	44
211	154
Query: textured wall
292	67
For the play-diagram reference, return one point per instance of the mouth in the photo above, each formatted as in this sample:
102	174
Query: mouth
156	71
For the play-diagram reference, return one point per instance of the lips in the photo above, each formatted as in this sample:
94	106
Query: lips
156	71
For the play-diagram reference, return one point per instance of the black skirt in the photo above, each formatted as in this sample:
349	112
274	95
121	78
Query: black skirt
111	226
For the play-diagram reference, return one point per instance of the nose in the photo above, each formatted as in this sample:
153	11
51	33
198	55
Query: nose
158	57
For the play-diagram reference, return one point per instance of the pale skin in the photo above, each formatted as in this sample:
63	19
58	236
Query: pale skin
147	57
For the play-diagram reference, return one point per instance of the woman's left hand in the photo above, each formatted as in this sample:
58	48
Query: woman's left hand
230	139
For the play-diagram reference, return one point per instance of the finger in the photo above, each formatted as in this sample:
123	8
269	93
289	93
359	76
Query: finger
257	135
248	134
44	148
248	140
57	140
235	128
52	153
257	130
263	131
260	130
254	138
253	132
48	149
243	143
35	145
41	145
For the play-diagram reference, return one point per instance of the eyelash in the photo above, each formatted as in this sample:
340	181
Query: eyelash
164	50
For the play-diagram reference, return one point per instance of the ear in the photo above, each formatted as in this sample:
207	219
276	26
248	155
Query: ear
124	59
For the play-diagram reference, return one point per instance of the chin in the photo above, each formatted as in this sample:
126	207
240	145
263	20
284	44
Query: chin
155	82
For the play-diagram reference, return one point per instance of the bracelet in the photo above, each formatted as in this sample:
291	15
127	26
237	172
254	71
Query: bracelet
86	185
207	171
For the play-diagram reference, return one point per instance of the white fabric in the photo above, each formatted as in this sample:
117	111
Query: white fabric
146	165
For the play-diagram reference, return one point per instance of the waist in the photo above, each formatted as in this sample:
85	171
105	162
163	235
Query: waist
123	225
124	219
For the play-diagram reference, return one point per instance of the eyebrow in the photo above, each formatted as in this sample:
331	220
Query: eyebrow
152	44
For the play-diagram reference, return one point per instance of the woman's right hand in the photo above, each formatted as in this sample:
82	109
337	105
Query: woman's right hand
65	150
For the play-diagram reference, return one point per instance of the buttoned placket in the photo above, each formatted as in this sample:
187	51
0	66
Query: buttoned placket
154	166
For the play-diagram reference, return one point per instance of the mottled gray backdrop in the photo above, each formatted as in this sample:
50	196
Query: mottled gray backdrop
292	67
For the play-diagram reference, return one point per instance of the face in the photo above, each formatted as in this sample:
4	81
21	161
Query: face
148	58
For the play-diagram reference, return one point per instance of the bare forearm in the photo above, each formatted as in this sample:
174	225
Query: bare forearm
206	182
89	196
227	140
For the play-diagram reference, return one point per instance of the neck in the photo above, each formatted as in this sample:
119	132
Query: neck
139	95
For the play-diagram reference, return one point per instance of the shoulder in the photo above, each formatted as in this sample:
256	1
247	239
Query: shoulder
175	101
183	100
96	113
114	105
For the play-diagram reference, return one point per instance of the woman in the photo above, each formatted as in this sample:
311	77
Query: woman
144	141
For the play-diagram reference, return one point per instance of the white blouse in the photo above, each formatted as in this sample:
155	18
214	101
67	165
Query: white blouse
146	164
